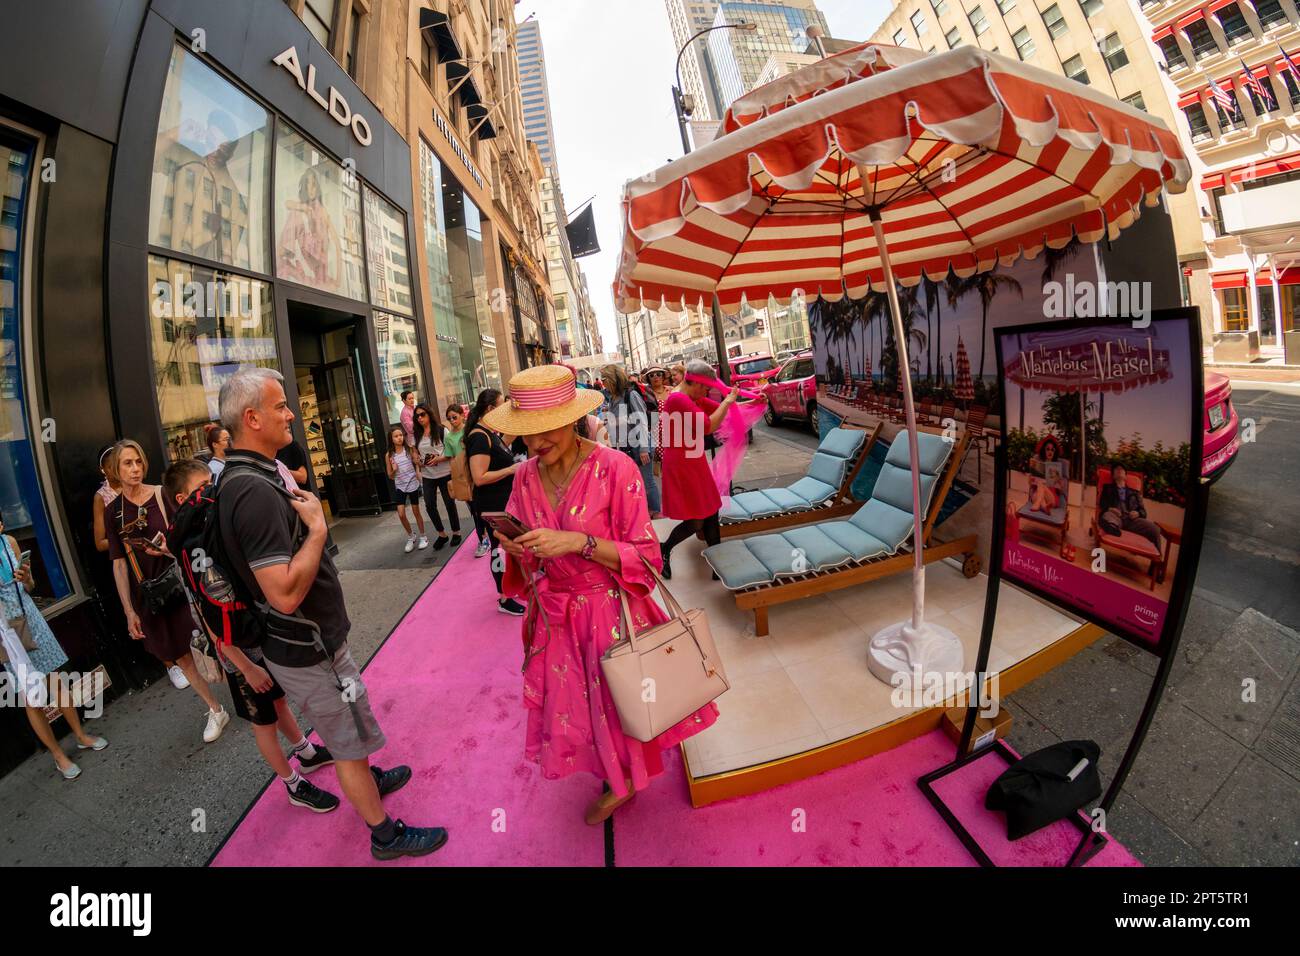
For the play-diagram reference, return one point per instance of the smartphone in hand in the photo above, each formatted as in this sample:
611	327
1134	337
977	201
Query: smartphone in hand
505	524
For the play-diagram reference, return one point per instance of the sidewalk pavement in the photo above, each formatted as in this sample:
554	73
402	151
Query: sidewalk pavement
1218	781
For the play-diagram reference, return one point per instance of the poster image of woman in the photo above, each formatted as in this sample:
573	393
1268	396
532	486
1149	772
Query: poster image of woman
309	242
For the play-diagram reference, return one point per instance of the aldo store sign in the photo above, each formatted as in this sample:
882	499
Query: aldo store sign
335	105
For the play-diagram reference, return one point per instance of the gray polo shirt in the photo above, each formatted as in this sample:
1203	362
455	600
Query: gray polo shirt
259	529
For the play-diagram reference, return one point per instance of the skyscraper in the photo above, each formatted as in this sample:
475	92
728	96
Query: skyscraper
570	296
738	56
536	96
686	18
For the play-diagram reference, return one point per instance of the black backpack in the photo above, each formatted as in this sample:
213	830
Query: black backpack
220	595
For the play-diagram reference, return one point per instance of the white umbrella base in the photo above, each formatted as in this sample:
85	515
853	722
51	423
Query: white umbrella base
933	653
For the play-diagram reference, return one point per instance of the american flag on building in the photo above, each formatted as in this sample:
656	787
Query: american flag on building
1265	95
1222	97
1290	65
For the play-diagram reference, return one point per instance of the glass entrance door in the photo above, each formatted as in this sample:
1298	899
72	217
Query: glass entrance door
349	443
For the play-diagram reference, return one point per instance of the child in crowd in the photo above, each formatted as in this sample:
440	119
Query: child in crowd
403	463
258	698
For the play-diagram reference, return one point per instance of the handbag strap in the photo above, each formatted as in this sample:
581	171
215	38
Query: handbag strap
13	573
627	632
126	543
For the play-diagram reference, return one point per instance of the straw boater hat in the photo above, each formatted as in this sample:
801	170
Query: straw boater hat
542	399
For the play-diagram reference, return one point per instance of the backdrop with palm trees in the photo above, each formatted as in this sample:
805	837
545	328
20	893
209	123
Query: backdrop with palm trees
854	337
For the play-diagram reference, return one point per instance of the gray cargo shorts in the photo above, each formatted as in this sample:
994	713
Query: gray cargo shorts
349	730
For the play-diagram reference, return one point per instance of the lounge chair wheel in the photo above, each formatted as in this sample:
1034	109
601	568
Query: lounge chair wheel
971	565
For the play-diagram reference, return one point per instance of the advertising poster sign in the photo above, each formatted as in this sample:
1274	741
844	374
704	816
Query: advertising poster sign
1101	429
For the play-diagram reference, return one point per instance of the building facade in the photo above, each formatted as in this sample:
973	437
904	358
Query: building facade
738	57
1098	42
687	18
1233	72
568	286
195	188
538	125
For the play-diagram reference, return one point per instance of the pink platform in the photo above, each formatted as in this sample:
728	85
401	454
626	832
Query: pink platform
446	689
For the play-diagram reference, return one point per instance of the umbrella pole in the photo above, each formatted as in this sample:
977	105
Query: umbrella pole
913	446
910	652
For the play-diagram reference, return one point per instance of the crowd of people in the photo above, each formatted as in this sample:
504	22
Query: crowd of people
531	455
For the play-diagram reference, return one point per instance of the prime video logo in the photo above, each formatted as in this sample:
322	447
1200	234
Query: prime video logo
77	909
1086	299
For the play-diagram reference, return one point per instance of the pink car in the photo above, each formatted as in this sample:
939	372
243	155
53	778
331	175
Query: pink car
751	371
792	392
1221	439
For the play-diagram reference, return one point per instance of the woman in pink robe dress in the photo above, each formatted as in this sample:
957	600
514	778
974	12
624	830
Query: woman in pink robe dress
597	506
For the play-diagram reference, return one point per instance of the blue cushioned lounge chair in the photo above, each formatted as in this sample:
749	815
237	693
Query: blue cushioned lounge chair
824	492
829	555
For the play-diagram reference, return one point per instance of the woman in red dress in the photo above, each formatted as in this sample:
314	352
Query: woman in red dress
689	492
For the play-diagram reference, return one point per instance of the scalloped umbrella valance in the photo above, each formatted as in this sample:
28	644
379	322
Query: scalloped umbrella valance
875	168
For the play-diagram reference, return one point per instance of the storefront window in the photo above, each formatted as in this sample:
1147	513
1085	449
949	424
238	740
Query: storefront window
390	272
208	194
22	502
1236	315
399	361
453	246
204	327
317	219
447	345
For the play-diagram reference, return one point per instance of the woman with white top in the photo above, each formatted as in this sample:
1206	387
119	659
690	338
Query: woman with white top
404	471
435	474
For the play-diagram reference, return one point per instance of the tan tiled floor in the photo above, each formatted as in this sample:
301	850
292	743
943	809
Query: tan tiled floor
807	684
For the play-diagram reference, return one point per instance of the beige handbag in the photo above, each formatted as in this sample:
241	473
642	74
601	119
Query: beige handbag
664	674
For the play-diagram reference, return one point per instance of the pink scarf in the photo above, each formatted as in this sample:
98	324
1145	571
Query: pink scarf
735	425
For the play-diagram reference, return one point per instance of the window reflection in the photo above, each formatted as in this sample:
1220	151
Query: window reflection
390	274
317	218
204	327
208	194
399	361
22	502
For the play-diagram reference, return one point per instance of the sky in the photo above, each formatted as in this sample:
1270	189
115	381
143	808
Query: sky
609	68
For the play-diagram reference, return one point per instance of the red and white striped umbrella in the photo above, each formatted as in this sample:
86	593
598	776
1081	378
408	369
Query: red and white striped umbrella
970	159
964	390
865	170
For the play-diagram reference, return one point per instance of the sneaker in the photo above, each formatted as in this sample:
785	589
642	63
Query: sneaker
410	841
312	797
483	548
72	773
410	545
511	606
424	543
98	743
217	721
390	781
323	758
179	680
440	544
455	538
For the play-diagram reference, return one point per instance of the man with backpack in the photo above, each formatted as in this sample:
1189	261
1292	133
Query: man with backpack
258	698
272	544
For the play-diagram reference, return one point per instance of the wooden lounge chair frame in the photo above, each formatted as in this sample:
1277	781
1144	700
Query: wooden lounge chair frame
796	587
842	503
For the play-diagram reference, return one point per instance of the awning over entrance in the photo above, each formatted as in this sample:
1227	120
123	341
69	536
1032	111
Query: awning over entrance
1228	280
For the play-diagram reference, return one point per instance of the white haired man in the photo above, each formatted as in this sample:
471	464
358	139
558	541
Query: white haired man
273	541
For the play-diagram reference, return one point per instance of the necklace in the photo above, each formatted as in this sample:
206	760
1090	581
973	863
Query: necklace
561	487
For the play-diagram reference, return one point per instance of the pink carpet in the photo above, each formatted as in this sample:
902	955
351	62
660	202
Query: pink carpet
446	690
